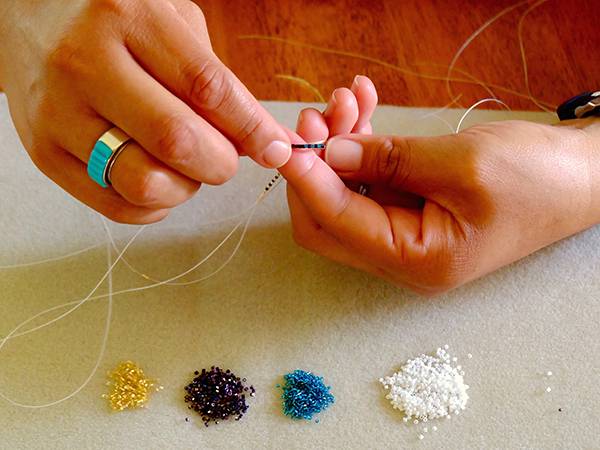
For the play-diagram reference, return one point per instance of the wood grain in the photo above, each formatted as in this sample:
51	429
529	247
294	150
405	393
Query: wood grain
560	38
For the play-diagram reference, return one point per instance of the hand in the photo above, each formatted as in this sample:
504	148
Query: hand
74	68
442	210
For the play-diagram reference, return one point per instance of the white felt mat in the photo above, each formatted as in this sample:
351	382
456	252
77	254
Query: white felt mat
276	308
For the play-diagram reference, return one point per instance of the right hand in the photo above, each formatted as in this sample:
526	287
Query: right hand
73	69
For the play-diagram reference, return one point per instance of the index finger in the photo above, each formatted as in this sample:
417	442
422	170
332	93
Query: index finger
184	62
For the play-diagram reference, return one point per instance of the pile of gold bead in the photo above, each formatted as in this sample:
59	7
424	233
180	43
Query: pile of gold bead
130	388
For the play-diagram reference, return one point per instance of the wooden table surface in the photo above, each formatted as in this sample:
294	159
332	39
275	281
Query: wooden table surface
406	46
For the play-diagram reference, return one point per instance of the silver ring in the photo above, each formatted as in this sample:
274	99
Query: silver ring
111	162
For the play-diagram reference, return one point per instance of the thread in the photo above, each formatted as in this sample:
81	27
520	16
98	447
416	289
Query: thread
108	275
95	246
524	56
52	259
475	105
472	37
304	83
379	62
274	183
171	281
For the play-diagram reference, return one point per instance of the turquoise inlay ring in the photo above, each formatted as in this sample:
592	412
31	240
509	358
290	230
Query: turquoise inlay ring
105	153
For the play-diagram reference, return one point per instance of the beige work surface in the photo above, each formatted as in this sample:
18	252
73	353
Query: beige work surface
276	308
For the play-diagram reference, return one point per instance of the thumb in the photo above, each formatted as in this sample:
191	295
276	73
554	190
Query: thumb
416	164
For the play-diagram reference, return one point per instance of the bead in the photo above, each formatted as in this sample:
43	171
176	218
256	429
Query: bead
427	387
469	355
217	395
434	428
421	437
549	373
307	146
304	395
130	387
548	389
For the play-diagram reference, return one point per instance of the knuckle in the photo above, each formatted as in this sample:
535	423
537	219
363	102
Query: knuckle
223	171
392	160
117	214
249	128
114	7
451	273
43	110
147	189
195	13
302	239
176	141
131	215
210	86
39	156
67	58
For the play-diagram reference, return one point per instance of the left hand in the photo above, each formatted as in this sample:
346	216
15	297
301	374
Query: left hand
442	210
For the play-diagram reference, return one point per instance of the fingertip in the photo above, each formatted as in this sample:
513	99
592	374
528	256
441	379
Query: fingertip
343	97
366	96
363	84
277	154
342	117
312	126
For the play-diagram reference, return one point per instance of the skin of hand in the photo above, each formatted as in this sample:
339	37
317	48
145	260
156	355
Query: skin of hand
443	210
73	69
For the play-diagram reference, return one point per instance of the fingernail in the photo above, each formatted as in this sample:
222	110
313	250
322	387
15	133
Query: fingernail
344	155
277	154
357	79
331	104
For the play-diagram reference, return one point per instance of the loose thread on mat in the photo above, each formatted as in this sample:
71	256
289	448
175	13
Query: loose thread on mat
95	246
111	265
124	291
273	184
105	335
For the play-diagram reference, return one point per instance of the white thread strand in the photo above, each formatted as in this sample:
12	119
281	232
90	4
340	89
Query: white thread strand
110	295
475	105
101	296
79	303
252	209
49	260
100	354
92	247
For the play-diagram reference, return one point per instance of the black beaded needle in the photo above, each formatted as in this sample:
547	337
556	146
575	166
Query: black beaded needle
306	146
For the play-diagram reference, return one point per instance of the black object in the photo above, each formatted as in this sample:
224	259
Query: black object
583	105
303	146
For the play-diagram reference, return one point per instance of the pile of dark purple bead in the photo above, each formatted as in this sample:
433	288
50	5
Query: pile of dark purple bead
218	394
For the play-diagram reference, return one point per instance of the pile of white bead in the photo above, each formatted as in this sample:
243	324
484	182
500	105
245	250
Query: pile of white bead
428	387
